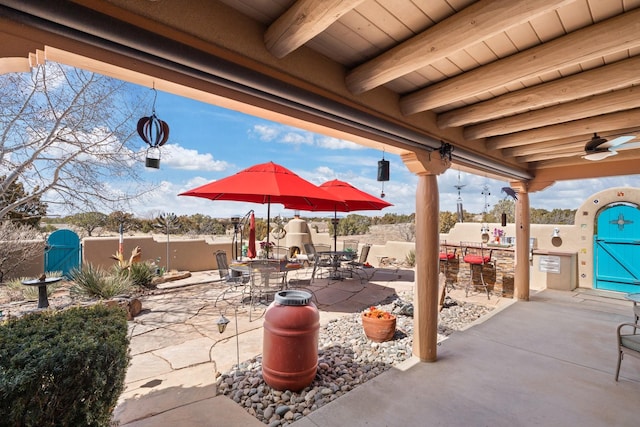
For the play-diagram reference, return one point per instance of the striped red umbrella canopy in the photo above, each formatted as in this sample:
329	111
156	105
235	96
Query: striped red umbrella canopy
266	183
355	200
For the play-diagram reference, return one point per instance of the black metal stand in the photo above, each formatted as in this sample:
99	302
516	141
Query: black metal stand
43	299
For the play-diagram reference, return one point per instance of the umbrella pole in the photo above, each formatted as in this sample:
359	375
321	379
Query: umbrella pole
335	230
268	217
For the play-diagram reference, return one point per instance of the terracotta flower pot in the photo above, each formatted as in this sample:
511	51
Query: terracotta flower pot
379	330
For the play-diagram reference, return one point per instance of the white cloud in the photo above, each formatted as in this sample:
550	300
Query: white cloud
337	144
266	132
298	137
177	157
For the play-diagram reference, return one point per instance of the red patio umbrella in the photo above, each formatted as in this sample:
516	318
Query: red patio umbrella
266	183
355	200
251	250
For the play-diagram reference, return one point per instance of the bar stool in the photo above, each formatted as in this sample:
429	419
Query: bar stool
475	259
445	256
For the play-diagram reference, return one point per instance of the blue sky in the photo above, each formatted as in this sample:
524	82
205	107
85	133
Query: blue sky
207	143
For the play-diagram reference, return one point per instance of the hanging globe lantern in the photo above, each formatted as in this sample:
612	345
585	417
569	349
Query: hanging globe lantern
155	133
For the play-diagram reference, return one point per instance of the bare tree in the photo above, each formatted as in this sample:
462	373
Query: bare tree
68	136
19	245
407	231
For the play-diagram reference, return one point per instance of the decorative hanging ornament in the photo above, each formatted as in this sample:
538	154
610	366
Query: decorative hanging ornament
383	172
155	133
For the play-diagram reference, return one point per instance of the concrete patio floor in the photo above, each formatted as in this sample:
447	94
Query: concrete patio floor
549	361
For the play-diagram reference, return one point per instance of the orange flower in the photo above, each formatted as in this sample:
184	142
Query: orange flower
373	311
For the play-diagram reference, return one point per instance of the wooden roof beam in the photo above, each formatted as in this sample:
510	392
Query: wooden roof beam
602	123
547	156
625	99
304	20
614	76
613	35
545	147
477	22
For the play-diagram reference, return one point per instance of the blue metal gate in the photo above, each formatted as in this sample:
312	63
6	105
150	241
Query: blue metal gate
617	248
63	252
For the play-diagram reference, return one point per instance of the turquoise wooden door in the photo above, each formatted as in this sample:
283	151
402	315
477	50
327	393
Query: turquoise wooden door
63	252
617	249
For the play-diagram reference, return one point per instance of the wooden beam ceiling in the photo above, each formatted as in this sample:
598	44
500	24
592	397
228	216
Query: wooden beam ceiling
590	43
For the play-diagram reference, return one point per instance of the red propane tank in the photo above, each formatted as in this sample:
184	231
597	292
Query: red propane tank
290	344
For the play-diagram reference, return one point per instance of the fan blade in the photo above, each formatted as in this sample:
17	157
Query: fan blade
629	146
617	141
599	155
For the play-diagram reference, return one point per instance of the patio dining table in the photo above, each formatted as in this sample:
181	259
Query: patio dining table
244	267
335	260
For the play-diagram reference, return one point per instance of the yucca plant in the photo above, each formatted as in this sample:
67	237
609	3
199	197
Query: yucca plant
140	274
92	282
411	258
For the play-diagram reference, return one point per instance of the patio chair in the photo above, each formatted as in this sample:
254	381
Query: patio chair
358	266
628	343
446	255
350	246
236	282
266	280
320	262
476	255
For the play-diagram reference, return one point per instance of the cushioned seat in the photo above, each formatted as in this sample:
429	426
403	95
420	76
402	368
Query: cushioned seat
447	256
477	259
475	255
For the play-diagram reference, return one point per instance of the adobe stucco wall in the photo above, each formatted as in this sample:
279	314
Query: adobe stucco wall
184	254
574	247
585	226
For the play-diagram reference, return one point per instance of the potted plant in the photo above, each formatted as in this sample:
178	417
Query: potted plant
379	325
266	249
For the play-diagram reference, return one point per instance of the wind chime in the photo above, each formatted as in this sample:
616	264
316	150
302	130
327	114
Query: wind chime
155	133
509	193
383	173
485	228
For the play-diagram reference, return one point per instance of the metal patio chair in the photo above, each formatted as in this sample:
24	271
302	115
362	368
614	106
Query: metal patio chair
628	343
357	267
237	282
476	255
446	255
266	280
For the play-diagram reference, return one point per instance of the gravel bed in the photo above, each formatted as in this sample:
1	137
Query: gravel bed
346	359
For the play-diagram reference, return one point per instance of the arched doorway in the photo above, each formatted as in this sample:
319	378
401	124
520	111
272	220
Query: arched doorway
63	252
617	248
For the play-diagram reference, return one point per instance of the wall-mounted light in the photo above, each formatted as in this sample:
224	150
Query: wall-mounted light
484	234
556	240
445	151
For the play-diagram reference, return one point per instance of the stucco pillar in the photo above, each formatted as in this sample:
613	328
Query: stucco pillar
523	233
425	297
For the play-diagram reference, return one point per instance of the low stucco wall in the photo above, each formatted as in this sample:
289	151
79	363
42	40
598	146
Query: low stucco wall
184	254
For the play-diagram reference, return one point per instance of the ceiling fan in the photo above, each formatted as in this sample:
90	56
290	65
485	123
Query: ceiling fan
600	148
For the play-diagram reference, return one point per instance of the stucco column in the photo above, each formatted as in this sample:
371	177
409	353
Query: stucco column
425	296
523	233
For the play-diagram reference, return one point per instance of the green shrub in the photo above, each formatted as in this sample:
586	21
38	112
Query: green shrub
63	368
411	258
91	282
